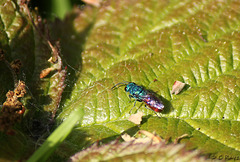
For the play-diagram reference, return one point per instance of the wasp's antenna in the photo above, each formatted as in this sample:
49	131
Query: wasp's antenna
122	83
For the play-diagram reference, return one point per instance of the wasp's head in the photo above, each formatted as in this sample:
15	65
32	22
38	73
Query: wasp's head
129	86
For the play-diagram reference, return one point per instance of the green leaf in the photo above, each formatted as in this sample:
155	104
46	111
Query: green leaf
152	43
196	42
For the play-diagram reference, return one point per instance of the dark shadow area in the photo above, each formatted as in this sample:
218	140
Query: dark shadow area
6	81
45	7
71	48
132	131
167	106
185	88
145	119
109	139
38	124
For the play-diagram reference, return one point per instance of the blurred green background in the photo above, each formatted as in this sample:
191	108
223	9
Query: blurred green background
51	9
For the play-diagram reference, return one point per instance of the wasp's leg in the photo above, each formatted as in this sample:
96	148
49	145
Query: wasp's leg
133	106
130	96
153	111
140	105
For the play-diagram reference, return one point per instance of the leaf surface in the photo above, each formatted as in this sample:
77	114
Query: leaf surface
152	43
